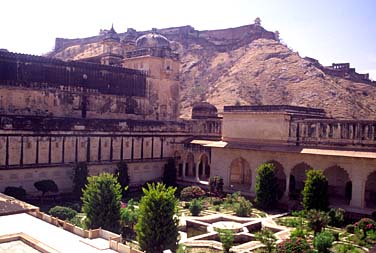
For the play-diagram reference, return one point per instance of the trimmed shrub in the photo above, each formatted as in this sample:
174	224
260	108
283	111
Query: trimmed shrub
323	241
232	198
315	192
227	239
101	202
364	225
267	237
317	220
243	207
299	232
195	207
45	186
191	192
62	212
266	186
344	248
294	245
15	192
291	222
217	201
337	217
157	224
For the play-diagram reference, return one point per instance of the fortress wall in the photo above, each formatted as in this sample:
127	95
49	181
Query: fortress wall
60	103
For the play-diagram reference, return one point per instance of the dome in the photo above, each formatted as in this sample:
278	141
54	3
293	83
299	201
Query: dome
204	110
152	40
111	35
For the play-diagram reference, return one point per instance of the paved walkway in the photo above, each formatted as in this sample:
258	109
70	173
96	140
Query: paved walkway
50	235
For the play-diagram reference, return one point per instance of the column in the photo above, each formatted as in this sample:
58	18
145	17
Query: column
197	171
253	181
358	191
184	167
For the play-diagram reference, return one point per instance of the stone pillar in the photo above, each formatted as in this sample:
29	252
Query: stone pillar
358	191
287	189
197	171
253	181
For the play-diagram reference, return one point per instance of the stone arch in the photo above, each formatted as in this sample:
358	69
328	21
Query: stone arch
297	179
340	185
281	177
190	170
370	190
204	167
240	174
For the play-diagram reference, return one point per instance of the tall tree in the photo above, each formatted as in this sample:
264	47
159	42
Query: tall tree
80	173
266	186
122	175
101	202
315	192
157	226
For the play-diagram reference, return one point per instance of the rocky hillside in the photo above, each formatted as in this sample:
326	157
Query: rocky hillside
267	72
246	66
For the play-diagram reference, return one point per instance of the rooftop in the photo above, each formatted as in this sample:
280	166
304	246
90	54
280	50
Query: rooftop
52	236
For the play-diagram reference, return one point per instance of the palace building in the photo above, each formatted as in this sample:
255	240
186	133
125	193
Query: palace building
121	102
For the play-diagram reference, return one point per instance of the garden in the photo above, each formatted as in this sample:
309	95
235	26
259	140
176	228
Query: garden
162	215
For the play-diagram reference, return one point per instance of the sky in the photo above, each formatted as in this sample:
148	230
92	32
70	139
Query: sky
328	30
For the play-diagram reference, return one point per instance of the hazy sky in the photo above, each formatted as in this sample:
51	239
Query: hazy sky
328	30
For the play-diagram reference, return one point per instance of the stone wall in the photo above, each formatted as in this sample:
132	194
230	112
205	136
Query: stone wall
35	148
221	39
68	102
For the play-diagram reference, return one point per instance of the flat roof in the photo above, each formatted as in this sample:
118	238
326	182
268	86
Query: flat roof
50	235
287	149
346	153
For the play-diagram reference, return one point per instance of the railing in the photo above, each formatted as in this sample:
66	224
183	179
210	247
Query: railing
333	132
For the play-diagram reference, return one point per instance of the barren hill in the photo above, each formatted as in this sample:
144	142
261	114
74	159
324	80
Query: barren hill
267	72
247	66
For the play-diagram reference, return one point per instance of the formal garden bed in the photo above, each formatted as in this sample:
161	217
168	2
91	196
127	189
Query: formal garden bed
350	238
244	226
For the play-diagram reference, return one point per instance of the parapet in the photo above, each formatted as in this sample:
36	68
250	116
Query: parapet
263	123
287	109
